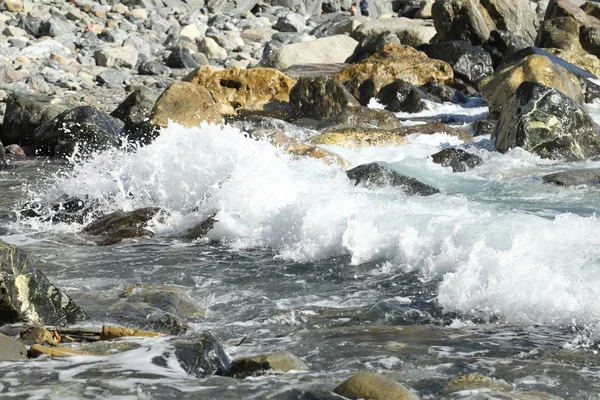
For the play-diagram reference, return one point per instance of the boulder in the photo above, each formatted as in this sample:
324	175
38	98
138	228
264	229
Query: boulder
200	355
290	22
400	96
484	127
380	174
457	159
281	361
211	49
239	89
443	92
166	298
574	177
320	98
502	44
469	63
187	104
153	68
182	57
395	62
366	385
411	32
27	296
542	120
119	225
135	110
11	349
372	44
25	112
498	88
363	117
584	61
561	33
126	57
327	50
85	128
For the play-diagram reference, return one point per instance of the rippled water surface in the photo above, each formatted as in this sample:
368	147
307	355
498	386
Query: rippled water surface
497	276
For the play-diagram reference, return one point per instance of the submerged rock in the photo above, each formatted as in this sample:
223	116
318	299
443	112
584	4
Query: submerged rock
542	120
574	177
114	227
26	295
38	350
457	159
200	356
281	361
363	117
380	174
11	349
366	385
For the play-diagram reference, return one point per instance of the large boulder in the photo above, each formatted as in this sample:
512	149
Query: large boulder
400	96
27	296
135	110
469	63
368	385
372	44
187	104
380	174
395	62
542	120
25	112
332	49
497	89
260	364
411	32
320	98
85	128
239	89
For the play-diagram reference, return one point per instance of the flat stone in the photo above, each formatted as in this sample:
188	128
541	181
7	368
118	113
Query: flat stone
11	349
373	386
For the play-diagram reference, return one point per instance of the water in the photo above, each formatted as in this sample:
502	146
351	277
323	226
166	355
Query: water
496	276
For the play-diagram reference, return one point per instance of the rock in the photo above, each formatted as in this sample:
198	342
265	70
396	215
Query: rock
561	33
192	31
201	230
370	45
85	128
27	296
542	120
111	57
591	8
14	5
55	26
200	356
11	349
43	49
410	32
281	361
239	89
40	335
24	113
290	22
187	104
457	159
154	68
332	49
38	350
402	96
135	111
574	177
497	89
578	59
363	117
211	49
473	382
395	62
380	174
166	298
116	332
373	386
320	98
230	6
469	63
119	225
502	44
443	92
303	7
182	57
484	127
114	78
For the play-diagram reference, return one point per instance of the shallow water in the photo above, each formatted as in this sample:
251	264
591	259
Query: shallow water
497	276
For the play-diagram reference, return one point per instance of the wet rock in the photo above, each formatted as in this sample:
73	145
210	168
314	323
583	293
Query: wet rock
332	49
111	57
363	117
473	382
469	63
38	350
27	296
574	177
497	89
410	32
365	385
380	174
24	113
457	159
11	349
396	62
443	92
116	332
114	227
400	96
591	90
542	120
320	98
85	127
135	111
202	229
484	127
240	89
281	361
167	298
200	356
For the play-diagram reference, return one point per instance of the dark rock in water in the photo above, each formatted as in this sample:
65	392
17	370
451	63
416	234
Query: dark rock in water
261	364
459	160
114	227
484	127
11	349
574	177
469	63
373	386
363	117
402	96
371	45
27	296
542	120
182	57
66	209
363	90
24	113
320	98
201	356
135	111
200	230
154	68
380	174
443	92
502	44
86	127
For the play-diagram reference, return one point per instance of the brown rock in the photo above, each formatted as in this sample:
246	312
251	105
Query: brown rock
396	62
243	89
97	29
15	150
498	88
14	5
587	61
282	361
11	349
116	332
187	104
40	335
372	386
38	350
114	227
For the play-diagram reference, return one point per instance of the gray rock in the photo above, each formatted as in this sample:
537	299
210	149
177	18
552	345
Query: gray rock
370	45
444	93
574	177
135	110
460	20
30	24
114	78
230	6
363	117
412	32
544	121
111	57
457	159
114	227
200	356
260	364
154	68
113	35
304	7
373	386
44	48
56	26
290	22
380	174
211	49
27	296
11	349
320	98
484	127
89	40
469	63
402	96
141	45
502	44
182	57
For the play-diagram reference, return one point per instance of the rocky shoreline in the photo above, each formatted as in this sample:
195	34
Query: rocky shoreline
91	76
